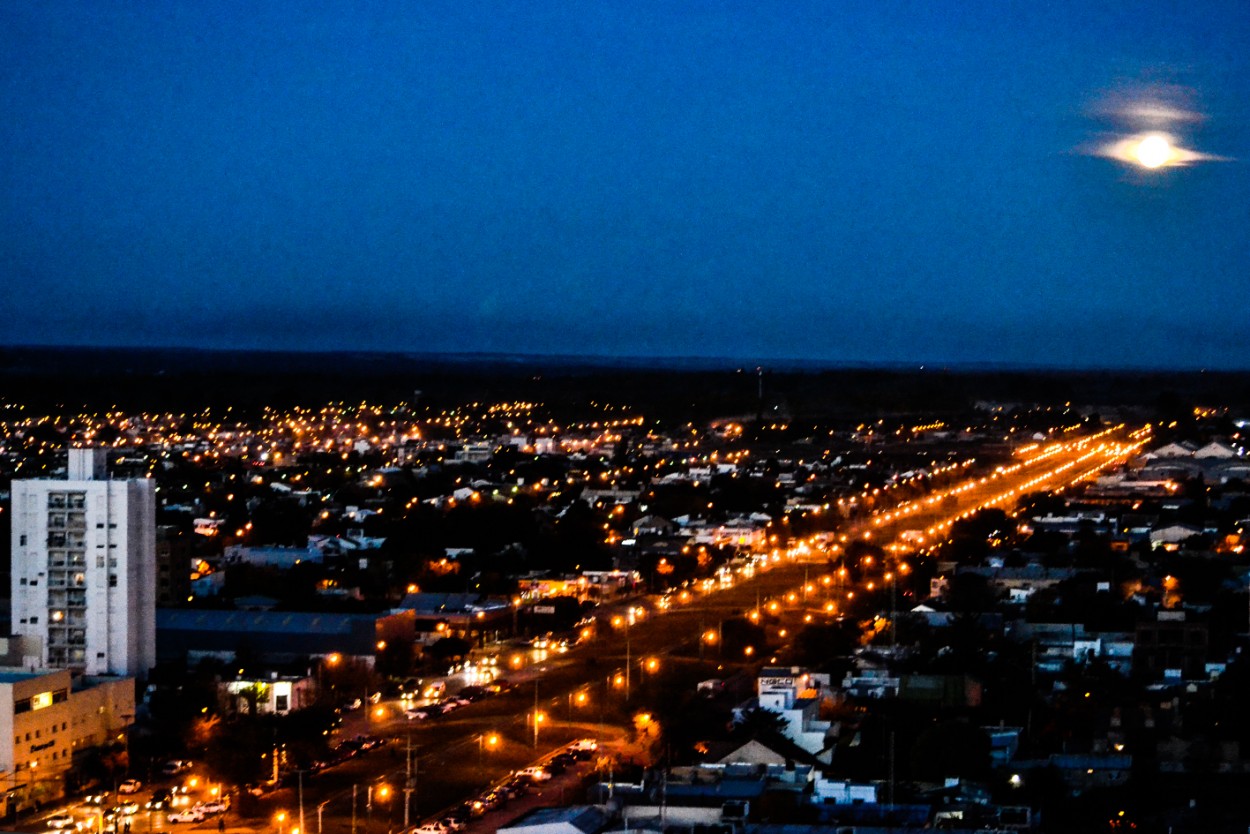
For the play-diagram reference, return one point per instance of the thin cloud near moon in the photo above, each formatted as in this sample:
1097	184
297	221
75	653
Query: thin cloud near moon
1147	124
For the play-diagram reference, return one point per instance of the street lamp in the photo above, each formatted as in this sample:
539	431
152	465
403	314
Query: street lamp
384	794
539	718
578	699
486	741
331	660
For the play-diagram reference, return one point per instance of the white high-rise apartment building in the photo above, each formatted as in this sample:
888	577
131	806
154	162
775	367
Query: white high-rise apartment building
84	570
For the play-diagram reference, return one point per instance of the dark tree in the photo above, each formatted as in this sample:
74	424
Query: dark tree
951	748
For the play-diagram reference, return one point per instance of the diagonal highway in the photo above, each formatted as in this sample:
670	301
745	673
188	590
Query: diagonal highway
580	693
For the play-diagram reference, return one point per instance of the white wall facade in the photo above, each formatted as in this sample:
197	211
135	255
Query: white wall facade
84	571
48	721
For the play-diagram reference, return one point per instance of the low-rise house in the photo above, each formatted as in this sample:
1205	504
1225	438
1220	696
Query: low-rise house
827	791
1172	646
795	696
1173	534
1084	771
276	557
1019	583
573	819
274	695
871	683
472	617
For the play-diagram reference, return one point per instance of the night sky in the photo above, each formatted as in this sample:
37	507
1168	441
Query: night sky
845	181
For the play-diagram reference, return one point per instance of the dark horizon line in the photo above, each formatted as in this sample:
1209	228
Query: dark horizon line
636	361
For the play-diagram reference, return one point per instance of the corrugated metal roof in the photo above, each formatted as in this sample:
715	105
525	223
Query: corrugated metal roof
182	619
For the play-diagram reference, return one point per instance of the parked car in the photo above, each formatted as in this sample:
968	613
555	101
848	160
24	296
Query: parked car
187	815
213	806
130	786
260	788
59	821
369	742
429	828
175	766
534	774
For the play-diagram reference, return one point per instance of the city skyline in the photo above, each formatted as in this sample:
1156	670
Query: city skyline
876	184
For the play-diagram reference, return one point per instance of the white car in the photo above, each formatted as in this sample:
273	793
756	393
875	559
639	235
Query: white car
213	806
59	821
130	786
189	815
430	828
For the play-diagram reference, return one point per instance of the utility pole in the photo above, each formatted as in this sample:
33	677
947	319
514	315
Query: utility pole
355	788
410	784
891	770
302	829
893	618
628	661
321	806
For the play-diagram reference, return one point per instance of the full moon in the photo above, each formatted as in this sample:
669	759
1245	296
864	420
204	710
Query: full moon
1153	152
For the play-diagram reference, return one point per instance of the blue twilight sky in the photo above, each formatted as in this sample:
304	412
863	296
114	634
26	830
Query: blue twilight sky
850	181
